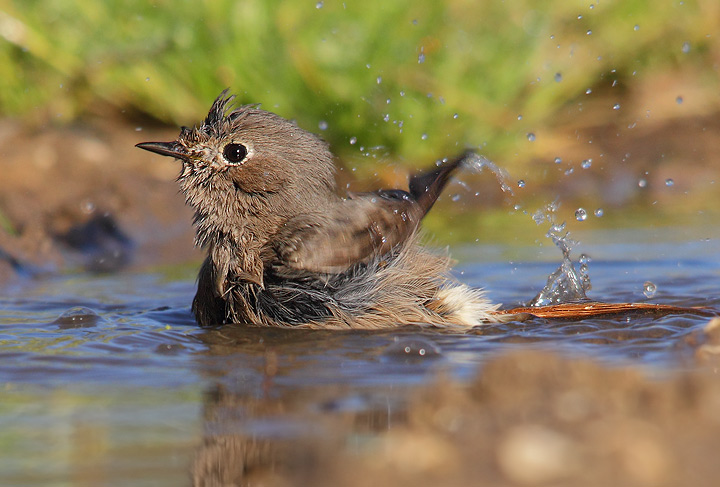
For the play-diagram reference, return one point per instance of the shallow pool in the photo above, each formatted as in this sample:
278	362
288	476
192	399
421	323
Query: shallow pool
106	380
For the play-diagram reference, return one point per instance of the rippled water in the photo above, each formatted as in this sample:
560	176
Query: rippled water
107	381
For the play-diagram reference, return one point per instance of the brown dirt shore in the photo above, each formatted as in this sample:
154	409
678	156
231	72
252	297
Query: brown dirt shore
84	197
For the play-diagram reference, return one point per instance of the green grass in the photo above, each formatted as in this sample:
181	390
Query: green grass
351	64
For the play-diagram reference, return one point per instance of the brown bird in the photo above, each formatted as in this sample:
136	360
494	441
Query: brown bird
284	249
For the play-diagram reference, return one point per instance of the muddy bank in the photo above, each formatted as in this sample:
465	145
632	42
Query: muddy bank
84	198
528	418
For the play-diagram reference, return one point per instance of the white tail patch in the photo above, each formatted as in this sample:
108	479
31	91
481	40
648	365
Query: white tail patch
466	306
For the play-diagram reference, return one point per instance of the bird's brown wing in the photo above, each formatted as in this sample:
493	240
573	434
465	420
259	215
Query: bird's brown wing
358	229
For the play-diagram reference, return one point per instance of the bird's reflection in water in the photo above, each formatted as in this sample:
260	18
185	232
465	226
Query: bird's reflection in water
270	414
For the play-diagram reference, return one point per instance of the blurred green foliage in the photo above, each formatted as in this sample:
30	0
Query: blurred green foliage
415	78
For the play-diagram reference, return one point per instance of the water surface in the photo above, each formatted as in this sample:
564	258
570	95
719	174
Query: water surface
106	380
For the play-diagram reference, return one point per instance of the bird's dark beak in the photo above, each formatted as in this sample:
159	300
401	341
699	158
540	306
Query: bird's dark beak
172	149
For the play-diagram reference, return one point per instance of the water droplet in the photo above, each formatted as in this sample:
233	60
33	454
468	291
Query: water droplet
558	160
455	197
579	17
319	5
387	102
589	32
636	27
616	106
78	317
378	79
521	183
353	140
412	348
599	212
421	58
686	47
569	171
402	93
538	217
386	117
87	207
455	116
424	136
323	125
147	79
586	163
580	215
679	100
669	182
642	183
519	117
649	289
531	137
558	77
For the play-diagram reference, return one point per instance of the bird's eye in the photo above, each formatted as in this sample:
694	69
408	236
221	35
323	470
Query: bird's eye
235	153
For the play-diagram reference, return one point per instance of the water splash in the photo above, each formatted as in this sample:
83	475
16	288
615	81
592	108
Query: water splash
566	284
478	163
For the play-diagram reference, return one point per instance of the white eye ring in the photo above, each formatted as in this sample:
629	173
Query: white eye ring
235	153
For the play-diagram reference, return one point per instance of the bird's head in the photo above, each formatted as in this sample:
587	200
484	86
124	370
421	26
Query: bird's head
245	159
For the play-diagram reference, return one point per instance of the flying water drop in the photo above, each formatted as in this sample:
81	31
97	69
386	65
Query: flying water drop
649	289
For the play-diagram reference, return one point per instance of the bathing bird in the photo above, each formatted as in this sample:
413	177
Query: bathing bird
286	249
